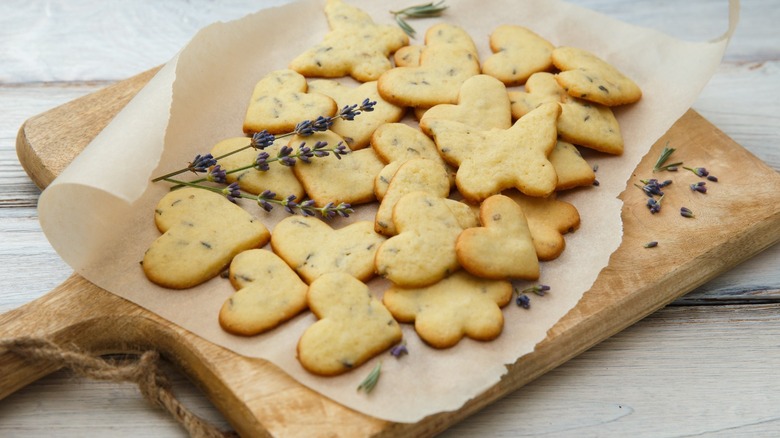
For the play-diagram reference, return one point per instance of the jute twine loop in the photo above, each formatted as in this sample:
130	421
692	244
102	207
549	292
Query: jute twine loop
145	372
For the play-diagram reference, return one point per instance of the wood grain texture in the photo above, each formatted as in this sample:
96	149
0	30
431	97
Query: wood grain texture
657	367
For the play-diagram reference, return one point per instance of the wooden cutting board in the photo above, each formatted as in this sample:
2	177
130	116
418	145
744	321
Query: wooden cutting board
739	217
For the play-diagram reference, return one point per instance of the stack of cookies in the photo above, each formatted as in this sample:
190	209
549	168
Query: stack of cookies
464	191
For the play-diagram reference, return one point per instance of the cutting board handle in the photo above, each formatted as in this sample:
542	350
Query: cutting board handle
76	314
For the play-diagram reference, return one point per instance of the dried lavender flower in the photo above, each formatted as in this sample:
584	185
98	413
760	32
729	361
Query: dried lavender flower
652	244
699	187
217	174
654	205
523	301
201	163
399	350
539	289
262	139
686	212
712	178
232	192
261	162
699	171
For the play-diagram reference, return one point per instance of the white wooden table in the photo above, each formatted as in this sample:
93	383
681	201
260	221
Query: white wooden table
706	365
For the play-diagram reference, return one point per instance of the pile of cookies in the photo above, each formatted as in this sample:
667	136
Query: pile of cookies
465	196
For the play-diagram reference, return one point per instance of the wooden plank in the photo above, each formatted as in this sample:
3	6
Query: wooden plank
619	298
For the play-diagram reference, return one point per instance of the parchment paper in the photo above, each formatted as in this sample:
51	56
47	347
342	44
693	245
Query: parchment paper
99	213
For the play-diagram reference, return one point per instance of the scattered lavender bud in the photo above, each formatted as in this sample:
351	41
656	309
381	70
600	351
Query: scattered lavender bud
653	205
712	178
523	301
595	168
652	244
652	187
539	289
699	187
262	139
699	171
596	182
671	168
201	163
399	350
686	212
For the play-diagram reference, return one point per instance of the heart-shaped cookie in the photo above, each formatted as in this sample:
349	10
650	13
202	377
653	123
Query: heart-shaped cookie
268	293
353	326
202	232
280	101
312	248
502	248
394	143
414	175
441	33
443	69
423	251
518	52
586	76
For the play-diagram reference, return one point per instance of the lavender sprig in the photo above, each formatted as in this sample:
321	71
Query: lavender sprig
267	200
307	208
418	11
263	139
286	157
